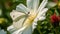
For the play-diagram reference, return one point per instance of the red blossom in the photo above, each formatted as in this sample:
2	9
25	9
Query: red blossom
55	20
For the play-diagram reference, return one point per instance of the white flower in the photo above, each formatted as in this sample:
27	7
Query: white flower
28	15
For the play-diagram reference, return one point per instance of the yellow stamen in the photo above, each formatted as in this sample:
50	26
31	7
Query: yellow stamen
30	18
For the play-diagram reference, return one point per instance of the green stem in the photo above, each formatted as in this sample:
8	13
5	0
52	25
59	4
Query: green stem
56	31
39	31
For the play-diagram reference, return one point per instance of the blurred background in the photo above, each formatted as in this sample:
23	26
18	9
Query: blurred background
51	25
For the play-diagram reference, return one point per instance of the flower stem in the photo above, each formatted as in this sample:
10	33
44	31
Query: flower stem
39	31
56	30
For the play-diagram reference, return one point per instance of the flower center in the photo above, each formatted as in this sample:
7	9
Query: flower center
30	18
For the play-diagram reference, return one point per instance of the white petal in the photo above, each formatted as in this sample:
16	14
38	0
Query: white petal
10	27
42	13
35	4
20	30
22	8
14	14
16	32
30	4
42	5
42	18
24	30
34	25
28	30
